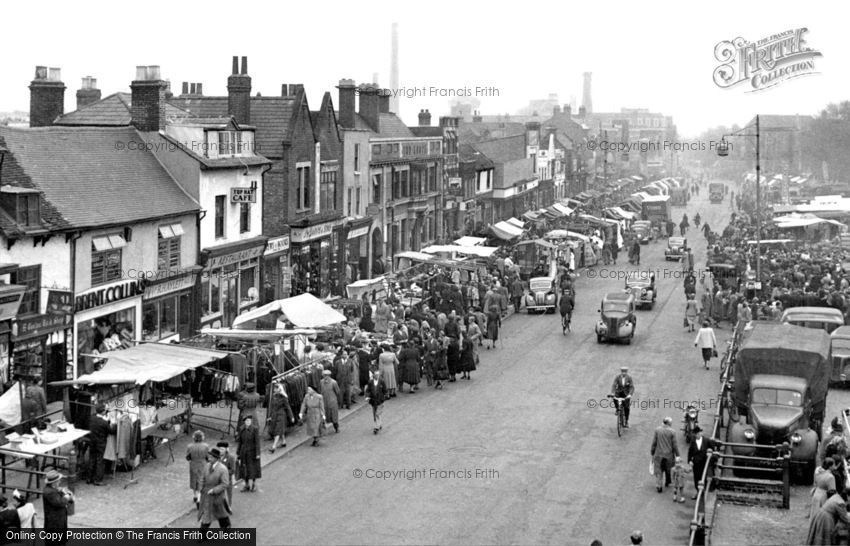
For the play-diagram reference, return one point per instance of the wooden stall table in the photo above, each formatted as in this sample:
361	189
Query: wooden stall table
167	436
26	448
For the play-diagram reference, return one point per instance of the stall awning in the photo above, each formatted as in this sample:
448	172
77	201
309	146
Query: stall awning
516	223
303	310
563	209
147	362
411	255
505	231
258	335
620	213
539	242
481	251
471	241
802	220
531	216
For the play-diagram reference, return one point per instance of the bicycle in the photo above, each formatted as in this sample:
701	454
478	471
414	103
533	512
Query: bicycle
621	415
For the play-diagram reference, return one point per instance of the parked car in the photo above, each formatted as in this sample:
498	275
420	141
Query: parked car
820	318
676	248
616	317
641	284
643	231
541	295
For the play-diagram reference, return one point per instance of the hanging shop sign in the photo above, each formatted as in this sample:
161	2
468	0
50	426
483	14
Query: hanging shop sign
243	195
60	302
169	286
10	299
40	325
278	244
111	294
302	235
359	232
236	257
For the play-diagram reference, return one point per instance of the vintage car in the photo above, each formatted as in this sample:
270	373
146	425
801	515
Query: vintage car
840	356
541	295
676	248
643	231
641	284
616	317
819	318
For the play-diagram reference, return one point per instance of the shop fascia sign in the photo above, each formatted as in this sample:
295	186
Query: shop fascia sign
171	285
243	195
111	294
40	325
359	232
278	244
302	235
236	257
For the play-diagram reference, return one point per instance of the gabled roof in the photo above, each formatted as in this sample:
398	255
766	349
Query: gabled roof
467	153
87	181
393	127
503	149
111	111
476	131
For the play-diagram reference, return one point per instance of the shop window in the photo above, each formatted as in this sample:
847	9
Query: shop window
168	317
244	217
215	292
303	190
404	183
168	247
220	212
377	182
31	278
249	293
327	191
150	321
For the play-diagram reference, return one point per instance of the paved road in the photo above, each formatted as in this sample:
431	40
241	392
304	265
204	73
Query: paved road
546	467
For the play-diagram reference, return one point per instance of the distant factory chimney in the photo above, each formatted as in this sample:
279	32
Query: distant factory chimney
586	100
394	71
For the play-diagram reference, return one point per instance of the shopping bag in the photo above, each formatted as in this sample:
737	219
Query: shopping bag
685	322
651	468
714	353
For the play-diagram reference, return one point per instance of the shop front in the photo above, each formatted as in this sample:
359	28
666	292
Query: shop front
314	255
106	319
41	347
10	300
230	281
356	260
168	308
277	271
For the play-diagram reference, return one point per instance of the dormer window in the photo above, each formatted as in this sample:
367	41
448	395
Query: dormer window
22	204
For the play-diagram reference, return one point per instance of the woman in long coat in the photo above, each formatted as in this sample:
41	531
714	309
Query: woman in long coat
332	397
313	414
432	349
824	482
475	335
453	358
196	454
366	323
248	453
822	525
382	317
494	320
214	502
280	413
467	357
387	363
441	367
409	366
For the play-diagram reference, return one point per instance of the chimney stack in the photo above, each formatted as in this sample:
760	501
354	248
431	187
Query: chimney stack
476	117
168	93
582	112
295	88
147	109
369	108
424	118
185	89
556	110
47	97
239	92
199	89
193	89
347	92
384	100
88	92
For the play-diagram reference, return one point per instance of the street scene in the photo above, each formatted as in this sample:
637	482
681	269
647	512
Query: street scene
439	291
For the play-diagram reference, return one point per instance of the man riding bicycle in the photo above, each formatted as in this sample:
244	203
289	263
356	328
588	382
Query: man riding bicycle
623	387
565	306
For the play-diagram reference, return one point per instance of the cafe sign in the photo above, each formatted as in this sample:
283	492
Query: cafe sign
243	195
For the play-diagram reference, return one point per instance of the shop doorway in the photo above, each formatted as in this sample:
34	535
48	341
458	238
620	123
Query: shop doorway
54	370
377	252
230	299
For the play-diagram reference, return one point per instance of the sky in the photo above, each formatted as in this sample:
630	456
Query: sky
655	55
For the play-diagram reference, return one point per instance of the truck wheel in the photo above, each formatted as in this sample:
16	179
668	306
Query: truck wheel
629	340
598	338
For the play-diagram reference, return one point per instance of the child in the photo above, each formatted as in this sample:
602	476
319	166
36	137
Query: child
679	472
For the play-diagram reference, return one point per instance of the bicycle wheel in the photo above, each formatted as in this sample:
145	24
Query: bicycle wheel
619	423
564	325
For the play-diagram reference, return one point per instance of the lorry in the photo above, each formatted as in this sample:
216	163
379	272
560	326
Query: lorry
656	209
778	392
716	191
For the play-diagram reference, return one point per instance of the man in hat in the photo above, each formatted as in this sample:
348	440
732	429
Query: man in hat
214	501
698	456
623	387
99	430
664	450
229	461
333	399
56	503
248	402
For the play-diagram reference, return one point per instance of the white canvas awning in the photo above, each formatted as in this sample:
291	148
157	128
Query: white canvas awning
471	241
303	310
506	231
518	223
802	220
481	251
563	209
10	405
259	335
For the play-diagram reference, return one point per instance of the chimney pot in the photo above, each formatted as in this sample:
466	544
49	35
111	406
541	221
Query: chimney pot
55	75
235	65
193	89
40	72
244	65
200	89
153	73
185	90
346	102
140	72
239	94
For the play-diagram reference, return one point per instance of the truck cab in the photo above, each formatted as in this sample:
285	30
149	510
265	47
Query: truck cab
716	190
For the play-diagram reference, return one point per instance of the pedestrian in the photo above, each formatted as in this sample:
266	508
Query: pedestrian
475	335
441	366
409	366
822	526
698	456
376	393
26	510
280	413
431	348
453	356
313	414
248	401
494	322
229	461
248	454
382	317
9	520
353	371
99	430
387	364
636	538
332	398
467	357
664	450
691	312
35	392
824	482
214	501
196	454
707	342
55	505
679	471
